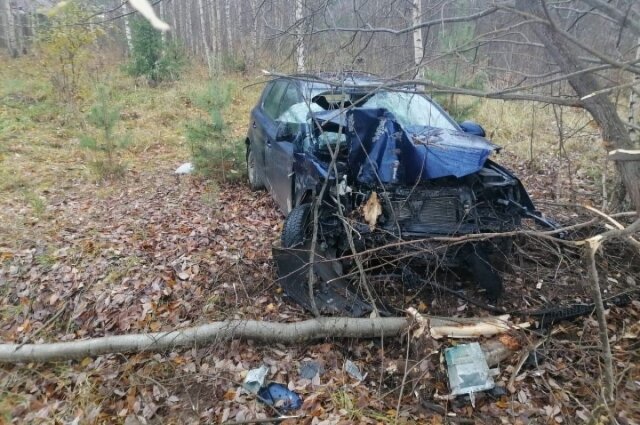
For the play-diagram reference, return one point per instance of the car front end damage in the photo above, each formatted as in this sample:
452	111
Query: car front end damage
393	190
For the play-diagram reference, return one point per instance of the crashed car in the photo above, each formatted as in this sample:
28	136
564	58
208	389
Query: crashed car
358	166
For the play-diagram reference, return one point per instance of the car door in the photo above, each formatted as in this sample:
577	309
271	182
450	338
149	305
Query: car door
264	127
279	153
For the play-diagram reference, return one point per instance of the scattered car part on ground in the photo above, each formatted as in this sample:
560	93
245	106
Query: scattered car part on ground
353	370
311	369
255	379
468	370
280	397
394	165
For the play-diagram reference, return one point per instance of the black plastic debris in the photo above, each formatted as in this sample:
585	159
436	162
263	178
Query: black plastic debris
535	359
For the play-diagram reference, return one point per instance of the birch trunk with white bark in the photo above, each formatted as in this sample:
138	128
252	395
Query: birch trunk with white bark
218	29
418	53
161	15
9	29
254	31
203	35
174	21
228	25
299	38
212	28
633	104
189	27
20	25
127	27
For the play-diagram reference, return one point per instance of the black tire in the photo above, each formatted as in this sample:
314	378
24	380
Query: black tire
255	183
483	272
297	227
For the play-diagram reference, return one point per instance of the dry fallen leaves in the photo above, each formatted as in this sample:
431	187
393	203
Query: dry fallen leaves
372	210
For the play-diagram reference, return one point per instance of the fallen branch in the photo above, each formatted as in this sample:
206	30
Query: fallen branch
46	325
206	334
271	332
462	327
472	328
264	421
609	381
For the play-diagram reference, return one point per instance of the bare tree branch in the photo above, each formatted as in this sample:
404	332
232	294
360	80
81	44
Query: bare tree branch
630	20
406	30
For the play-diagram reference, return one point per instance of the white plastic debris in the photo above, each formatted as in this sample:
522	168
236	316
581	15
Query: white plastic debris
353	370
186	168
255	379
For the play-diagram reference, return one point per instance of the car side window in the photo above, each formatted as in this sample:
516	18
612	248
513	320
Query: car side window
290	98
273	99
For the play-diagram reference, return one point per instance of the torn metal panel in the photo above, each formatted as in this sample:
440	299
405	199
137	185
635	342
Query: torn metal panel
332	295
385	151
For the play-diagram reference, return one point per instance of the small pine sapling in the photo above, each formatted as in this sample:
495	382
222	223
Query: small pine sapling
106	142
153	58
213	152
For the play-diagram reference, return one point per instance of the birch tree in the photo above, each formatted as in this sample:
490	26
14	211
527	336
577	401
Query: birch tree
205	42
300	61
9	28
253	10
127	27
162	14
633	103
218	28
417	33
228	25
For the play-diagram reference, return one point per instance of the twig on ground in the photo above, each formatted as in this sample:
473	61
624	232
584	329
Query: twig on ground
593	244
404	377
45	326
523	358
264	421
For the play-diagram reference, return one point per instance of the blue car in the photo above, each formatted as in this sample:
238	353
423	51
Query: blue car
366	164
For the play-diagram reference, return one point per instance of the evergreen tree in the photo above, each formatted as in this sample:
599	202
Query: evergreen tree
104	117
151	57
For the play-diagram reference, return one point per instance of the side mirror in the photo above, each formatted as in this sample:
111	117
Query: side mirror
472	128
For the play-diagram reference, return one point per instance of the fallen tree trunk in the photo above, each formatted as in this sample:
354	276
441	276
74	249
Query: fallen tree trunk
272	332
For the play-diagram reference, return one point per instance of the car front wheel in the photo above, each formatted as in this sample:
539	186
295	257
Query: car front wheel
255	182
297	226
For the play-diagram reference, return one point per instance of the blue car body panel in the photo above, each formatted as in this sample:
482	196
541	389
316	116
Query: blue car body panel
384	152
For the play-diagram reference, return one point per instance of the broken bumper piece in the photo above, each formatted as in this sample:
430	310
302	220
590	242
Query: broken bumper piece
331	293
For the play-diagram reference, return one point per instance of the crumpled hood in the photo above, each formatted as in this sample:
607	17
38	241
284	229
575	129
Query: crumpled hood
381	151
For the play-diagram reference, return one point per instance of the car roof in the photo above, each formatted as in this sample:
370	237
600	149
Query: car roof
329	79
312	84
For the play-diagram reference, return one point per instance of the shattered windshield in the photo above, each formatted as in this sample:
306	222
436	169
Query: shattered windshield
410	109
